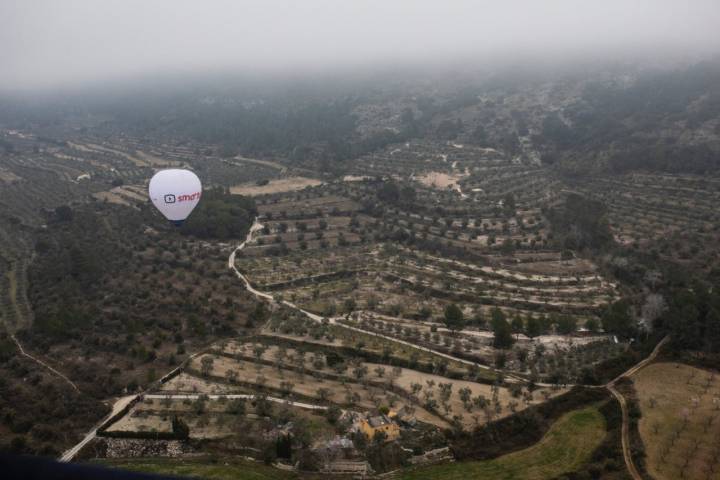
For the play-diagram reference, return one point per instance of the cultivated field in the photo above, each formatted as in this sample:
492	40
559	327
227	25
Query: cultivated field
279	185
675	216
324	252
214	418
355	383
680	423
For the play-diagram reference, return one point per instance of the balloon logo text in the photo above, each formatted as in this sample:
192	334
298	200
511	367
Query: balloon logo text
189	198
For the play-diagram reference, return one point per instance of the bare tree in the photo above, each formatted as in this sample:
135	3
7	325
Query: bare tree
324	394
415	388
286	387
206	365
231	375
445	390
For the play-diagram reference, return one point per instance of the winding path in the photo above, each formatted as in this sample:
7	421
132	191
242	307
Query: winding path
40	362
627	454
625	434
231	263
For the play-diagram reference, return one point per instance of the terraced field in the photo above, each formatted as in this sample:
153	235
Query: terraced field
388	256
427	258
470	174
675	216
32	184
381	260
210	419
432	390
364	261
281	366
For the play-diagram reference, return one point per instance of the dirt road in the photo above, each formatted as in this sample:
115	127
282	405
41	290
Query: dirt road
625	434
632	371
632	469
231	263
40	362
117	406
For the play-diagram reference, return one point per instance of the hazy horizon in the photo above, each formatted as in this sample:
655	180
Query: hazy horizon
49	44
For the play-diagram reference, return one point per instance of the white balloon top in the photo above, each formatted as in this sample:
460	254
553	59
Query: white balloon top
175	193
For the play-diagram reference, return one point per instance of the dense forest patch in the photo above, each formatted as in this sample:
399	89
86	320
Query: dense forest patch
120	296
220	215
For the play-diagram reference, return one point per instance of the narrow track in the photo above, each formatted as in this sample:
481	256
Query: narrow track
43	364
627	454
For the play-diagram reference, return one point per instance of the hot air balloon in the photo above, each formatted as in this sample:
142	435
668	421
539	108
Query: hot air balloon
175	193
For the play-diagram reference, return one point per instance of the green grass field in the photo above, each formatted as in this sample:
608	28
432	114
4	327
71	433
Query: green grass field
223	469
567	446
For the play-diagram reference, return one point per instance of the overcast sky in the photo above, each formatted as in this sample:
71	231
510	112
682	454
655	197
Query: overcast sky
47	43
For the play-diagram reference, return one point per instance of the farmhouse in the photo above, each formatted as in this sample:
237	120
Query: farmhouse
381	423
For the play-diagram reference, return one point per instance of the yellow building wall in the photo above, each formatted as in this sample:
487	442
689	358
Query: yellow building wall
392	431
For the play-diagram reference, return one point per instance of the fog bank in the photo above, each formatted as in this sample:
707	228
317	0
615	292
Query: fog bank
49	43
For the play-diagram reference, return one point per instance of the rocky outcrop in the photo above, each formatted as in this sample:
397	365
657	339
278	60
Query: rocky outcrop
130	447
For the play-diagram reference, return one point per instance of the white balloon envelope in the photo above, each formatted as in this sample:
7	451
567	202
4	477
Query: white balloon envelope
175	193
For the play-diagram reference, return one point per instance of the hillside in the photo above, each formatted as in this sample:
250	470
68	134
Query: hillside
374	282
